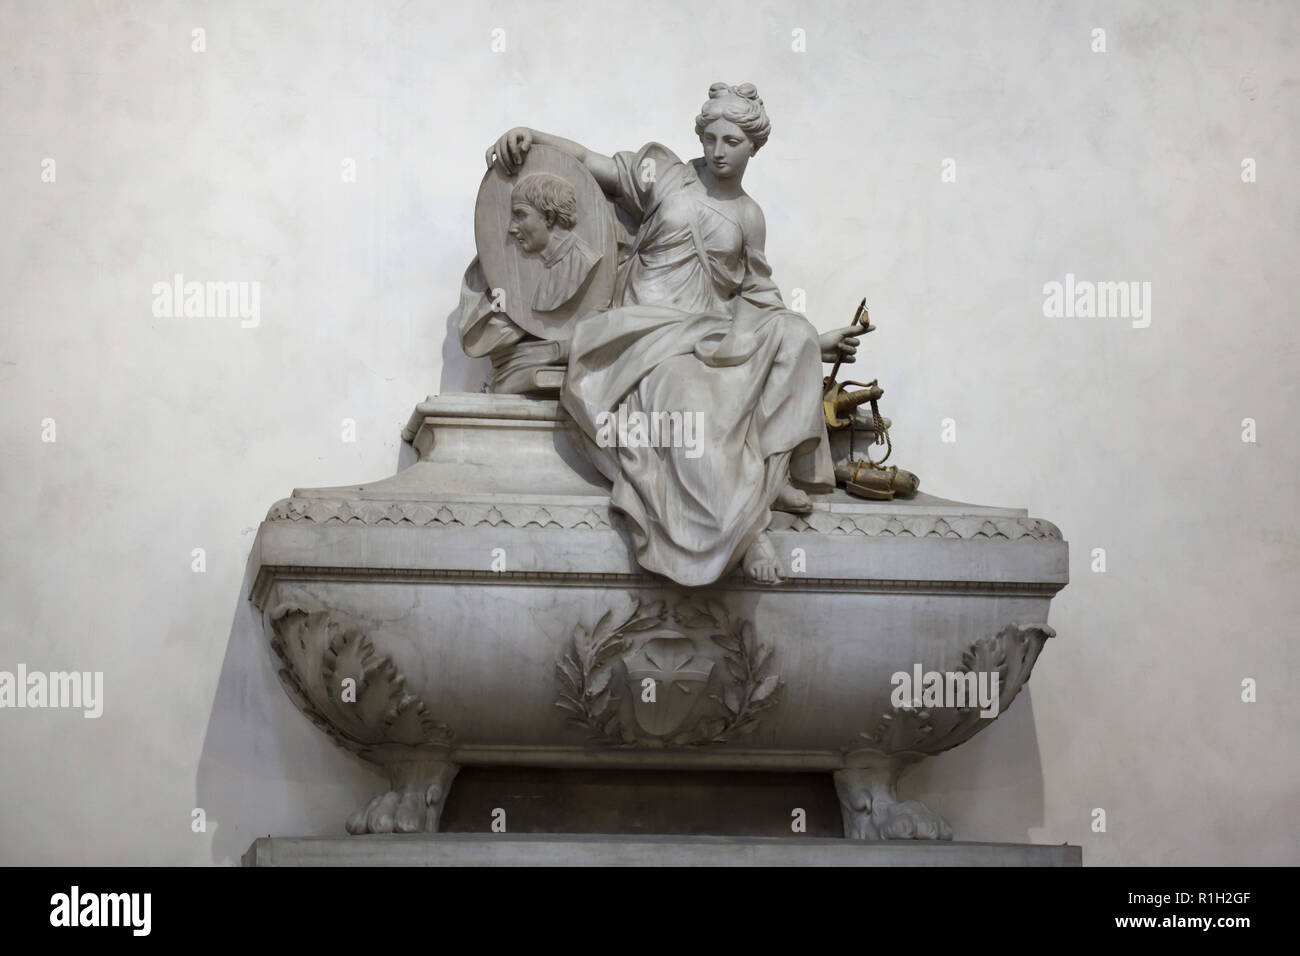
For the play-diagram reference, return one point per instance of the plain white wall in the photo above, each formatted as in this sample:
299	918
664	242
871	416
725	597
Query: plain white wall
175	434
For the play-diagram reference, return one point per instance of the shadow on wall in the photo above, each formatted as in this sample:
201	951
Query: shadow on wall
460	373
991	787
264	769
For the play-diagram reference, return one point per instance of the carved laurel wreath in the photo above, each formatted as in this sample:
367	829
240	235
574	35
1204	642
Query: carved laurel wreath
586	671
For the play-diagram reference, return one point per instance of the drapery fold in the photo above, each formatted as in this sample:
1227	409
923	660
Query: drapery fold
697	328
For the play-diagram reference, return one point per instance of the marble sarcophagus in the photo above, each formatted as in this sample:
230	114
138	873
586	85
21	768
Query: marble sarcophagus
482	608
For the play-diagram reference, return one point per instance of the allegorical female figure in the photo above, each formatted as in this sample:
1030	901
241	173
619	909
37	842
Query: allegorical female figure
697	327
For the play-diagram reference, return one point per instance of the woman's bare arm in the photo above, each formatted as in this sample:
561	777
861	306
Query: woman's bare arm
508	153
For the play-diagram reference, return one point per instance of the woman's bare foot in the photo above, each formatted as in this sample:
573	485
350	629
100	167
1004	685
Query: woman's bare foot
792	500
761	564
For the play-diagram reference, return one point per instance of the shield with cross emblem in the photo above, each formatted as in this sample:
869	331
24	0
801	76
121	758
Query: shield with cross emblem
680	674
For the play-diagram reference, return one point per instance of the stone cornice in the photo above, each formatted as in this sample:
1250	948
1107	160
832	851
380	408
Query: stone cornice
269	574
597	517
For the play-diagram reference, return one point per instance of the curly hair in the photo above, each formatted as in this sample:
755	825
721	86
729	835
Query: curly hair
739	104
550	195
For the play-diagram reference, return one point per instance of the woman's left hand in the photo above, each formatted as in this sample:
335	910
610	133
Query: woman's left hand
841	345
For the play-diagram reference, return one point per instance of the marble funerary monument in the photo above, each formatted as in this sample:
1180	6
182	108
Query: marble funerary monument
633	552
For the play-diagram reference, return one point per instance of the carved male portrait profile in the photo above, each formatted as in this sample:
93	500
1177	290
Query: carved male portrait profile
547	255
543	213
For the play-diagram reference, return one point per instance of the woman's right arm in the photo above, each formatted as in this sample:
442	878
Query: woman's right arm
508	153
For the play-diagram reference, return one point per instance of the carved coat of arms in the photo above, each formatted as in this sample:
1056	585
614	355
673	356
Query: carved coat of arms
691	675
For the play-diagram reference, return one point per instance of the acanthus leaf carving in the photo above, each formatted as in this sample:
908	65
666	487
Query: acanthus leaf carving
318	649
917	731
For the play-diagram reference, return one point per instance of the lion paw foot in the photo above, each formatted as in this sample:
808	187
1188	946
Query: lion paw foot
411	808
908	820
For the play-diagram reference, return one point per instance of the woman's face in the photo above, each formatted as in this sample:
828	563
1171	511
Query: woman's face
726	148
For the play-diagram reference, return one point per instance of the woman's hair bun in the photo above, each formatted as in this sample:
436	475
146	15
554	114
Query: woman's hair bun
746	91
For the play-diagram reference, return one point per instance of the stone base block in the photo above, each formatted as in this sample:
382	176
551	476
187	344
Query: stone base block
482	849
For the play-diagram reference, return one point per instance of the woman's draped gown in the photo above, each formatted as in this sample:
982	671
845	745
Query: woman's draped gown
697	326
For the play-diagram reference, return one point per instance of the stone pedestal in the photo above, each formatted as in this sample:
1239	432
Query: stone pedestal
447	849
483	608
